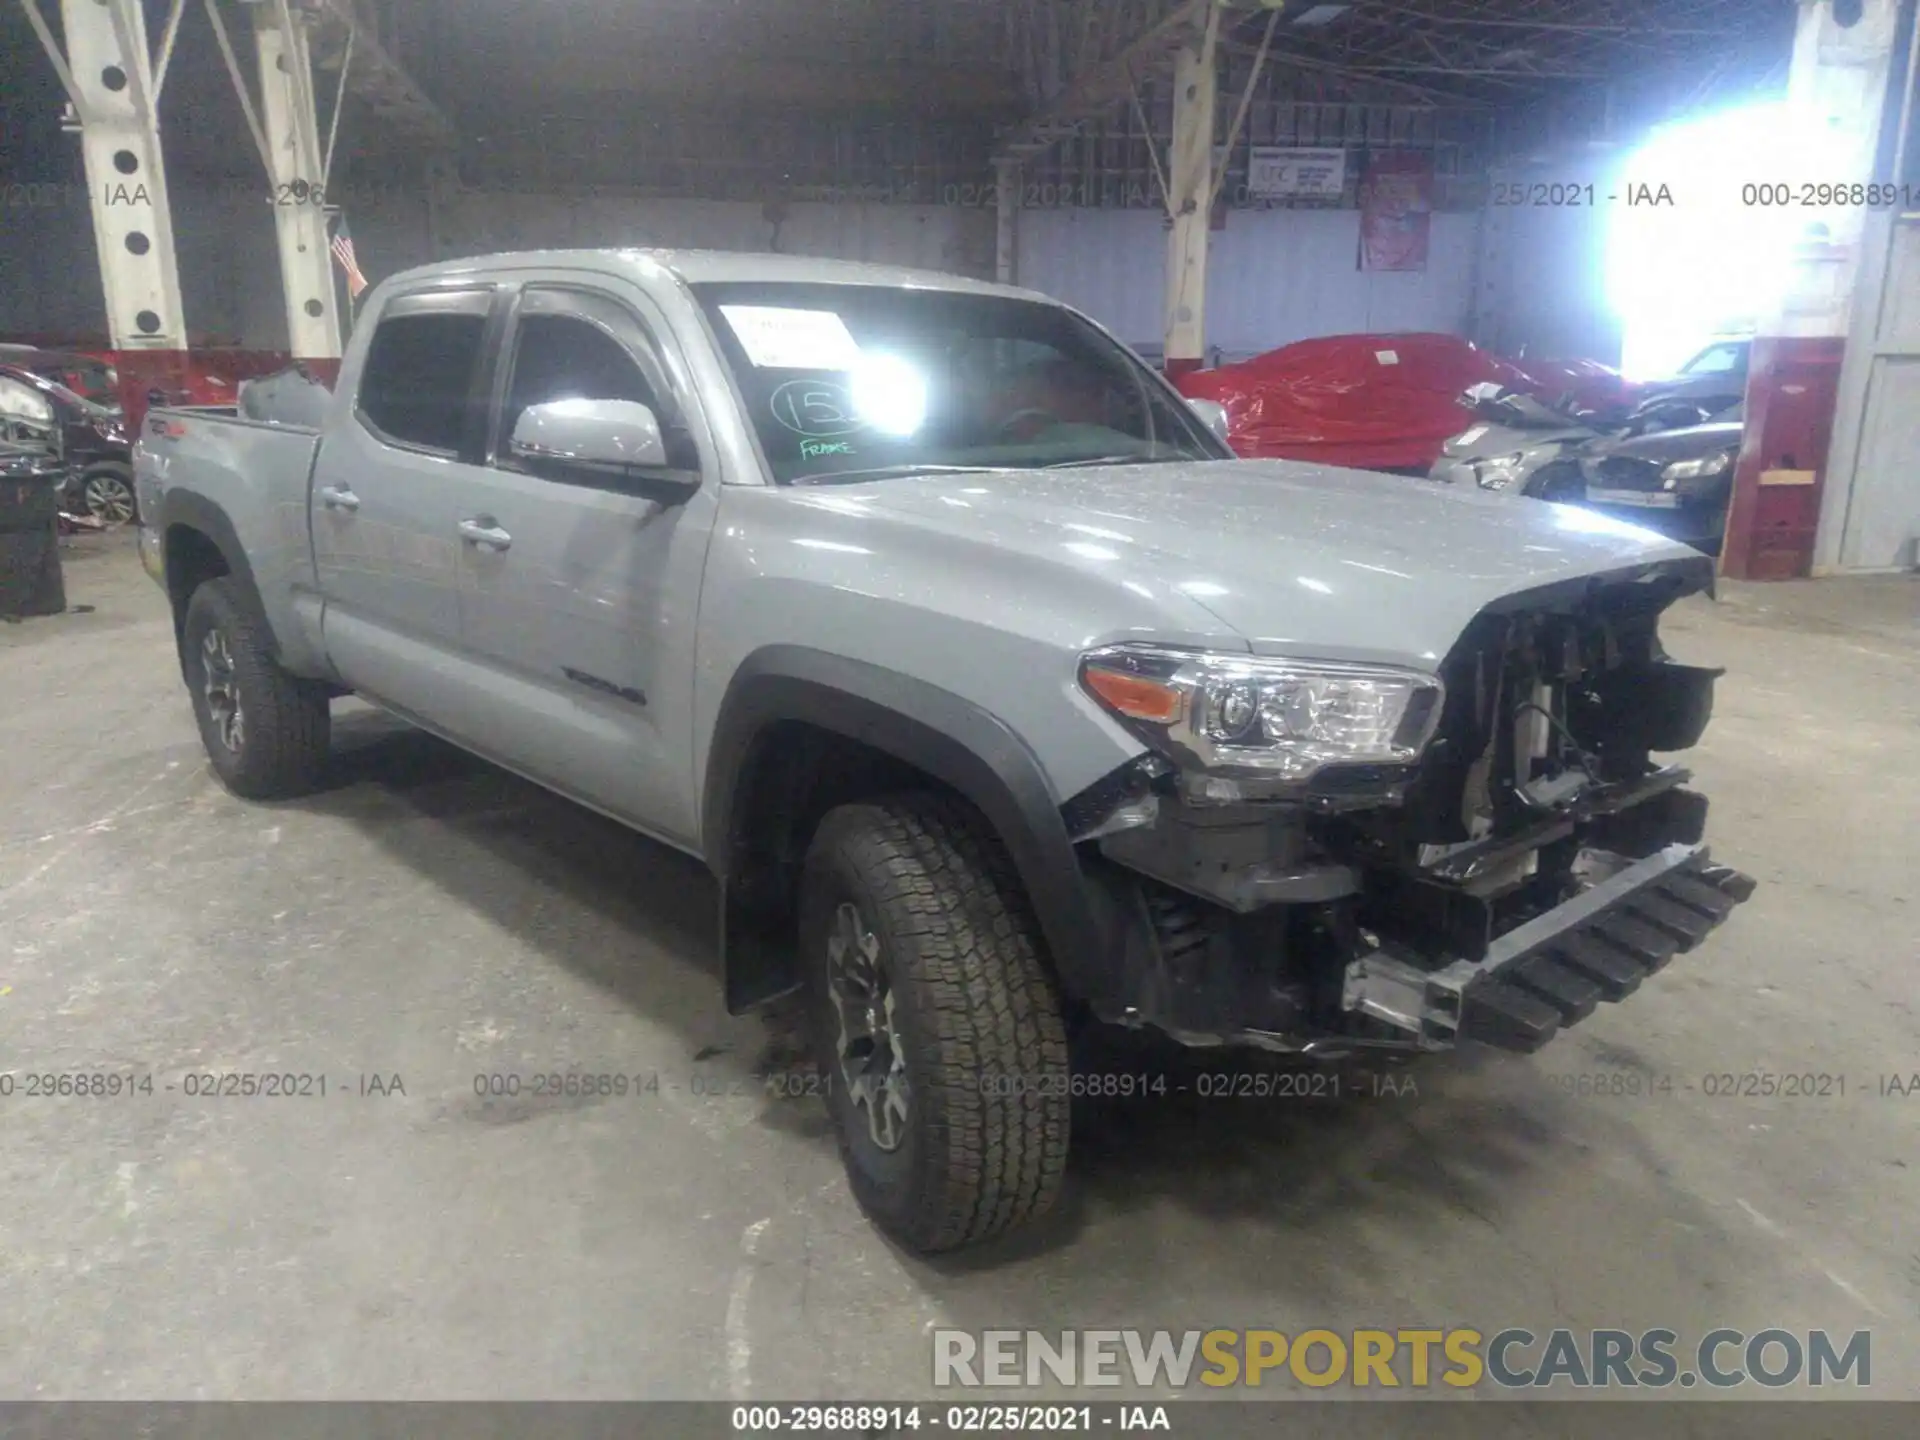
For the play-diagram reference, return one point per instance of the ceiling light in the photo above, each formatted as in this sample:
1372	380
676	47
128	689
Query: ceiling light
1320	14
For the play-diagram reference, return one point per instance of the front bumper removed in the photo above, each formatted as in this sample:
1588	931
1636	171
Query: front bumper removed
1551	971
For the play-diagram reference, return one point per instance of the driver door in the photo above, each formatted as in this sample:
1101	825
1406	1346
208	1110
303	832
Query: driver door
577	596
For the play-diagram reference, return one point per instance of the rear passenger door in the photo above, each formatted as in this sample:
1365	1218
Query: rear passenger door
582	601
384	500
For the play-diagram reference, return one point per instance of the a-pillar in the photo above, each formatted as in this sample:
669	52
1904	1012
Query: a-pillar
1837	88
112	80
1189	204
296	159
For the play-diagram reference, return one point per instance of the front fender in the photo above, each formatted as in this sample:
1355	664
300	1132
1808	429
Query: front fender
943	735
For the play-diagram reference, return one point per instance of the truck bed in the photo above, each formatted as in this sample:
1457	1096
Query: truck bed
220	454
253	473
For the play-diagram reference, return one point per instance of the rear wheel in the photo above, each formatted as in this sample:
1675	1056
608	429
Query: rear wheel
265	731
934	1022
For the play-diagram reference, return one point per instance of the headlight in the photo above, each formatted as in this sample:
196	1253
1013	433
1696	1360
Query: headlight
1695	469
1500	473
1274	723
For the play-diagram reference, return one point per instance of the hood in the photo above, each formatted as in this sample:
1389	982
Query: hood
1715	386
1290	558
1665	446
1487	438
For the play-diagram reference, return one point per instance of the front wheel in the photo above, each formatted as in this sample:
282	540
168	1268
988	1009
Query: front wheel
265	731
935	1025
106	493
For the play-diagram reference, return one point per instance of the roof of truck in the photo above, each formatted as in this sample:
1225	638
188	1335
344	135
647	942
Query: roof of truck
698	267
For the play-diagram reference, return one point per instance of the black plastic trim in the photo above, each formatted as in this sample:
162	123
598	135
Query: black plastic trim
1665	581
195	512
964	747
1530	997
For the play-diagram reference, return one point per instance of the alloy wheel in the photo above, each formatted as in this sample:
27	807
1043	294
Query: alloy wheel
108	498
869	1045
221	690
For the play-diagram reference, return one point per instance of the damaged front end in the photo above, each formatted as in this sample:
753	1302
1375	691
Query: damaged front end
1384	860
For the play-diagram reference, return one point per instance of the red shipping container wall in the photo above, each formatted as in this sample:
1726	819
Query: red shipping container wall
1793	386
196	377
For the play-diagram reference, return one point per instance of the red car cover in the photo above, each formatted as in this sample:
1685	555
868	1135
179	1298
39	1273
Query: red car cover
1370	402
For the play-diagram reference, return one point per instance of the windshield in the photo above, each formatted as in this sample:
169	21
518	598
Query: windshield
97	383
859	381
82	403
1721	359
48	386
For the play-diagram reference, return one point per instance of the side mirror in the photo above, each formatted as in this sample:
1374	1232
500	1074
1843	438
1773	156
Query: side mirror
1213	415
619	440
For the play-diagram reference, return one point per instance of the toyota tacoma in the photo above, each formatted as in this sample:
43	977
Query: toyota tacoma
997	695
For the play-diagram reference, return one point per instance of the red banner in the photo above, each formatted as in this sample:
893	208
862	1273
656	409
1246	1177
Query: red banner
1396	210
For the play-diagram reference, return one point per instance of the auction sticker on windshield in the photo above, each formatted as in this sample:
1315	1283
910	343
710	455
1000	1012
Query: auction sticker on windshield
778	338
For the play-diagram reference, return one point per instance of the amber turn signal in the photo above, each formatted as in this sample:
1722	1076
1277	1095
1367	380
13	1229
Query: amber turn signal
1135	696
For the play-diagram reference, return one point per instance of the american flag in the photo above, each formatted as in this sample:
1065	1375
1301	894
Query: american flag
342	247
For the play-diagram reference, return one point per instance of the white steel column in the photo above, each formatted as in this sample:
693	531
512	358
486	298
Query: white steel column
1837	86
113	90
296	161
1190	200
1847	68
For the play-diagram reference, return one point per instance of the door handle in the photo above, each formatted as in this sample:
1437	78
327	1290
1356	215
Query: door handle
482	531
335	498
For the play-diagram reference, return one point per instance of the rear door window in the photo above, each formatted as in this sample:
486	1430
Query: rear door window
417	387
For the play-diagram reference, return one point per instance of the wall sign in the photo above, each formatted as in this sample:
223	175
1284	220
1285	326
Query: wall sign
1279	173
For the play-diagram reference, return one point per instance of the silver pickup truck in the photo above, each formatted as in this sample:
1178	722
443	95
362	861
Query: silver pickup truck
1000	699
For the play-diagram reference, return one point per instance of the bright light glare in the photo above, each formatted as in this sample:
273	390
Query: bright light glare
1711	261
809	543
1089	551
1592	522
889	393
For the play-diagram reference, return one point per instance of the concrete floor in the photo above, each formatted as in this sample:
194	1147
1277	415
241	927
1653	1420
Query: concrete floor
433	918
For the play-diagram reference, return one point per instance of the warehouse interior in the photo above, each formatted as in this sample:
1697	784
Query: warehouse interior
1332	219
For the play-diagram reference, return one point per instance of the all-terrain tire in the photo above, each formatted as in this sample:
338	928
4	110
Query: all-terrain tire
282	741
984	1145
